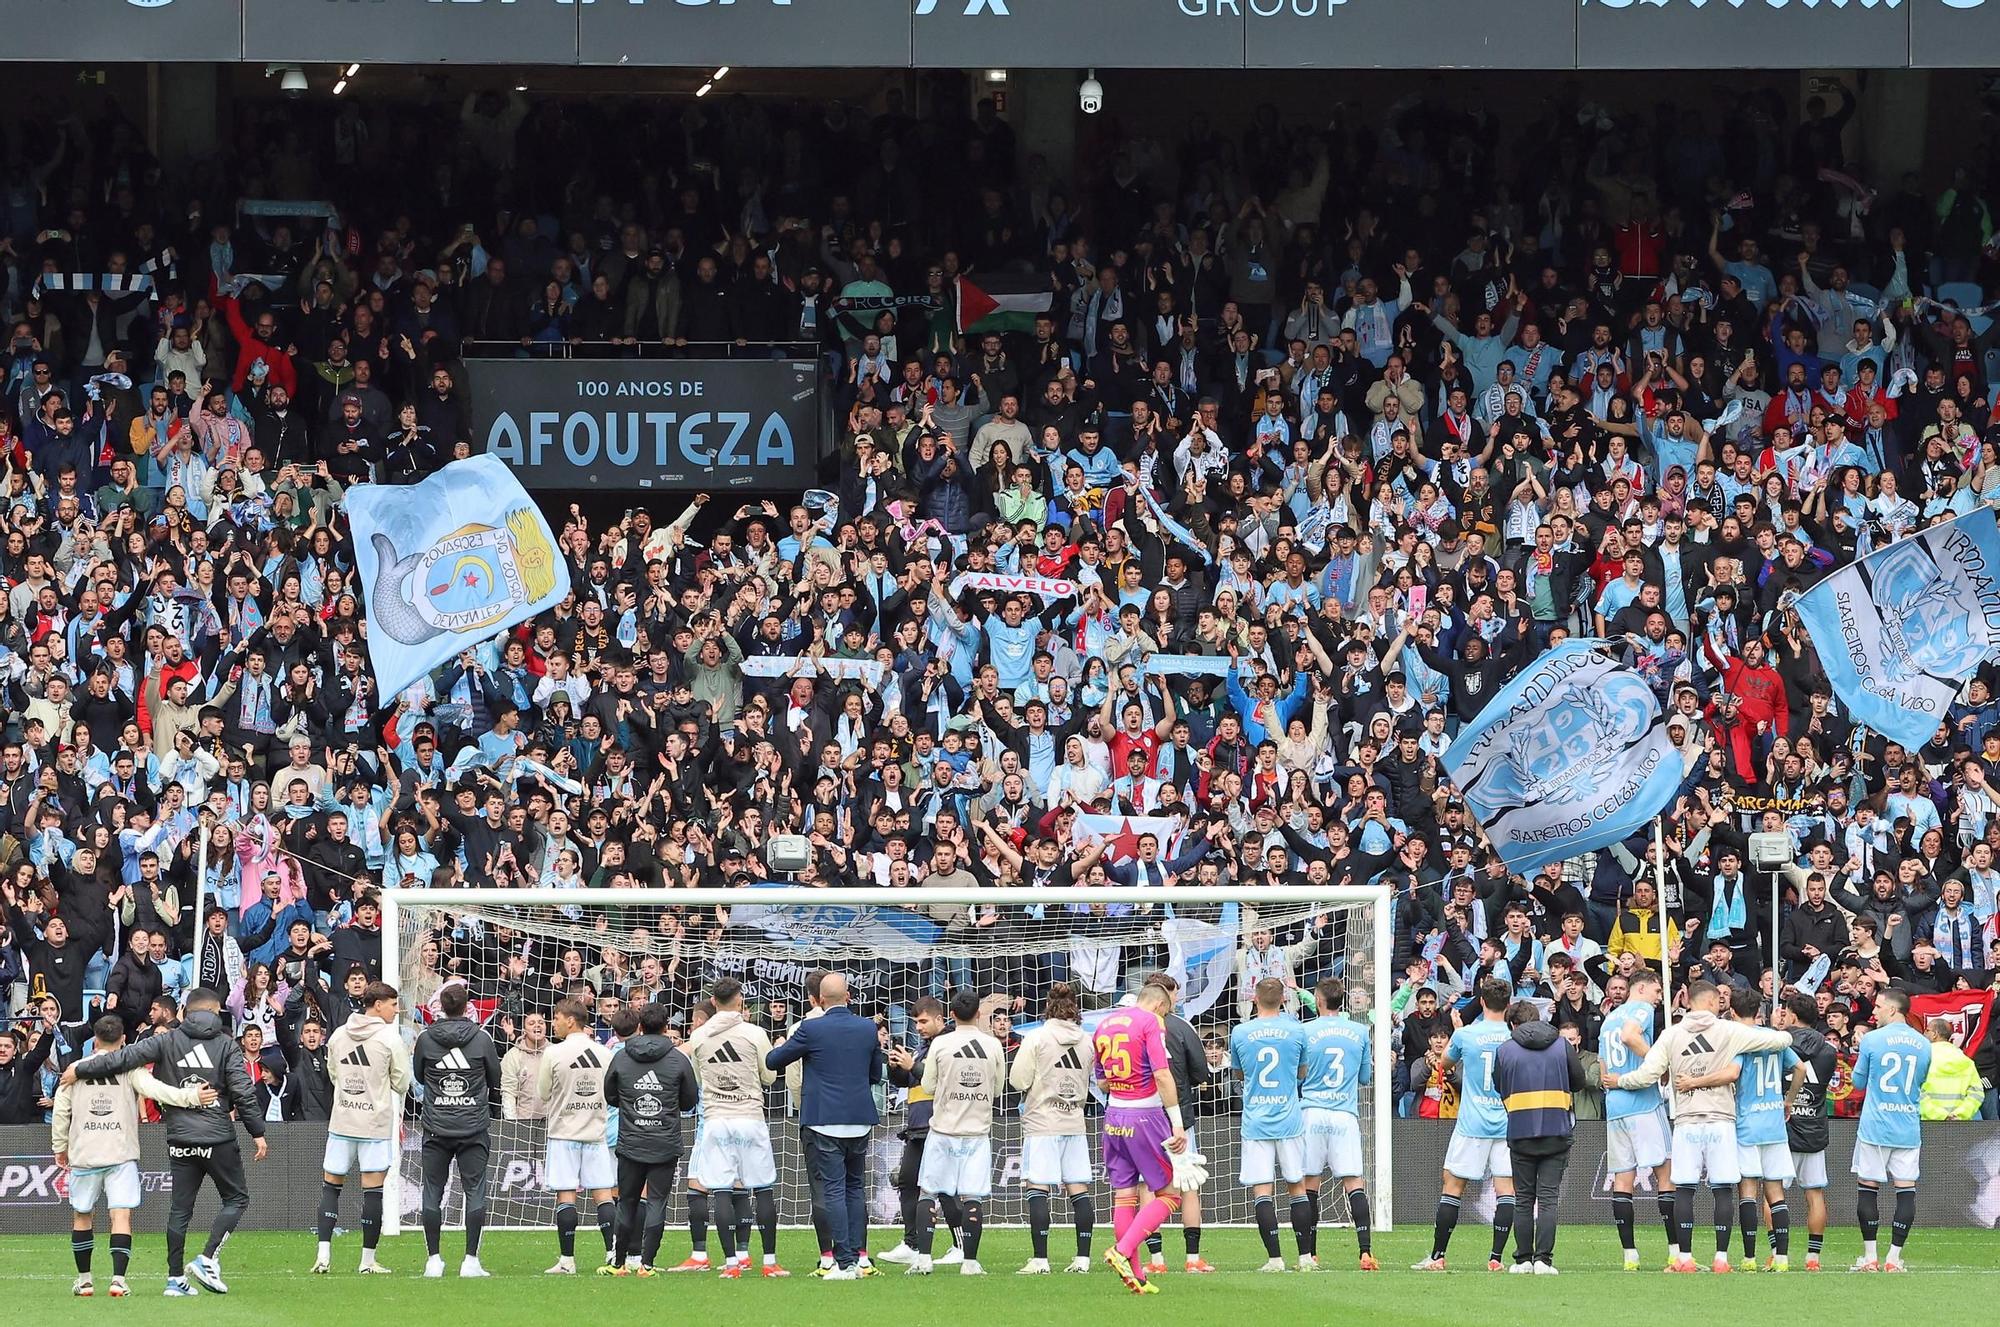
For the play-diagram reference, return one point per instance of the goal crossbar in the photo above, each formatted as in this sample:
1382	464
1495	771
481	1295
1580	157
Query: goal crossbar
397	903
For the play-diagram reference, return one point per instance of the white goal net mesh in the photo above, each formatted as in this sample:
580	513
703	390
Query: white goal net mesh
520	958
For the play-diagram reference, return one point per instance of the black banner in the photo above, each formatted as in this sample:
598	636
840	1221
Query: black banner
677	425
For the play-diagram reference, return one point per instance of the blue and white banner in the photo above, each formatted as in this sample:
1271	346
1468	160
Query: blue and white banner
885	932
448	564
1902	629
1571	756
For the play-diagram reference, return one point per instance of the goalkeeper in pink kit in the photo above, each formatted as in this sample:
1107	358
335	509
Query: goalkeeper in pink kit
1145	1145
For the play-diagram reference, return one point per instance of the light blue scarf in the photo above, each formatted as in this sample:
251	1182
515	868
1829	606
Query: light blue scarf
1726	916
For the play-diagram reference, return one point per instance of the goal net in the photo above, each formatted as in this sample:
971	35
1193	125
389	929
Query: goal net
520	951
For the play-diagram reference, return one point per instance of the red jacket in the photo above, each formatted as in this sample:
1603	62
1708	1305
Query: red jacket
250	349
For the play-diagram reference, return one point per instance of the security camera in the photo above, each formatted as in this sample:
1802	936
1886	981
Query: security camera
1090	95
292	82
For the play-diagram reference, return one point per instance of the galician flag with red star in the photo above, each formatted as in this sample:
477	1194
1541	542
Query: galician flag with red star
1121	835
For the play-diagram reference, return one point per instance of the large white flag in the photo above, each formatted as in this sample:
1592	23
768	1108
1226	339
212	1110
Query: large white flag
449	563
1571	756
1901	630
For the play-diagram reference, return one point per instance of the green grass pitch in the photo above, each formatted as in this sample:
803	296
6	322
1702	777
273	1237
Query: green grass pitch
269	1282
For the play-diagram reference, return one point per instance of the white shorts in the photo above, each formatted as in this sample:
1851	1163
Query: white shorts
1765	1161
1267	1160
1636	1142
572	1165
1333	1143
374	1155
1475	1159
1809	1169
959	1167
1876	1164
1705	1149
731	1151
1049	1161
117	1185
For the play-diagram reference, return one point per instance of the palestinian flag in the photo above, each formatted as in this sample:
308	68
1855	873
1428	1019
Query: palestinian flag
1005	303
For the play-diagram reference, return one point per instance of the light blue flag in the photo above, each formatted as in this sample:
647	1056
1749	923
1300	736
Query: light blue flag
1571	756
448	564
1902	629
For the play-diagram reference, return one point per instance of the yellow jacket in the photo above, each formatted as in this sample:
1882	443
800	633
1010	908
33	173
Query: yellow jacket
1638	929
1951	1090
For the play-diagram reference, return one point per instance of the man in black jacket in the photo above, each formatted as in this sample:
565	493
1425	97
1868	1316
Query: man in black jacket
135	983
459	1066
201	1141
21	1074
308	1090
651	1085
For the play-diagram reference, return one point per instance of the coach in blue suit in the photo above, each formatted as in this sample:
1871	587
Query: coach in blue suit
843	1062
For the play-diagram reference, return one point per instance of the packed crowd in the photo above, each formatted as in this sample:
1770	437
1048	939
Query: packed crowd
1319	436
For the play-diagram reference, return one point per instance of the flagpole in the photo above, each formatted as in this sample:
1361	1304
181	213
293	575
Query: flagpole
200	890
1666	956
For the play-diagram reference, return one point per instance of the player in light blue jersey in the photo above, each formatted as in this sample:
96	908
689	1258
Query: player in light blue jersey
1339	1059
1635	1119
1478	1147
1764	1085
1266	1054
1891	1067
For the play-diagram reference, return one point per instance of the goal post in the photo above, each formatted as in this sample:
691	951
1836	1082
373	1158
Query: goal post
520	950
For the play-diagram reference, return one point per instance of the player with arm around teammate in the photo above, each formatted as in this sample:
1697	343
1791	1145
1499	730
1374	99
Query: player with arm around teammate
1051	1071
94	1133
1700	1052
201	1140
1636	1125
1764	1084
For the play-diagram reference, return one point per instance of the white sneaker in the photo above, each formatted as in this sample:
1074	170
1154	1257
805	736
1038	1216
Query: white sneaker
1308	1262
321	1267
1274	1265
1079	1265
1545	1269
1521	1269
434	1267
1428	1265
471	1267
208	1272
842	1274
372	1268
563	1267
902	1254
82	1288
951	1257
970	1267
919	1265
1034	1267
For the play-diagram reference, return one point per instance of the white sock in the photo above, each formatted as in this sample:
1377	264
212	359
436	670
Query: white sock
368	1257
326	1251
1868	1249
770	1259
1895	1253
